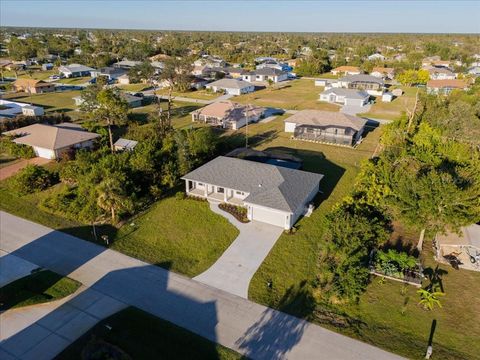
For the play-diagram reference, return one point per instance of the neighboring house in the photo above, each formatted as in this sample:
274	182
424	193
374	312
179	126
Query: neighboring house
371	84
33	86
111	73
265	74
346	70
272	194
210	61
201	70
274	64
51	141
430	60
439	73
326	126
376	56
231	86
235	72
198	82
387	96
474	70
75	70
345	96
126	64
228	114
383	72
10	109
124	145
445	86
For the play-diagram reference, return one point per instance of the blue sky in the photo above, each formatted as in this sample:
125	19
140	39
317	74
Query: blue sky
229	15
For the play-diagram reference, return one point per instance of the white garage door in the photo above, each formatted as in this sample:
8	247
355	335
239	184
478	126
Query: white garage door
44	153
268	216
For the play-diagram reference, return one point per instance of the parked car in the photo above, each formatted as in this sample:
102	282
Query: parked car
54	77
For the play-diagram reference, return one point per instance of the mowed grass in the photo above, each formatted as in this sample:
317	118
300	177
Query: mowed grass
54	102
194	94
393	110
393	319
182	235
39	287
293	95
293	259
140	335
133	87
74	80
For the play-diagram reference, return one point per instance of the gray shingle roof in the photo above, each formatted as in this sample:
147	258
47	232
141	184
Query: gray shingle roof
269	71
75	68
349	93
362	78
268	185
326	119
231	84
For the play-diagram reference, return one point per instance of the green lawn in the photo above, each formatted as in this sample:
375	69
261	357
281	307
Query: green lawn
393	110
139	335
37	73
74	80
294	95
194	94
59	102
182	235
39	287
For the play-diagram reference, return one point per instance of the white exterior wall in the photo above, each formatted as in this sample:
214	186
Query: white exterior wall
355	102
290	127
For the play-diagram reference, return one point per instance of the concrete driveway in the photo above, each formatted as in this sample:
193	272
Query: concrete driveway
234	270
354	110
13	268
11	170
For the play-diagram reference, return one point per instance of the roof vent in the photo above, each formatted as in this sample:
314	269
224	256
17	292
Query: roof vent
259	185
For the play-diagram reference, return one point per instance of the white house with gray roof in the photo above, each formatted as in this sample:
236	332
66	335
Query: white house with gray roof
345	96
231	86
272	194
75	70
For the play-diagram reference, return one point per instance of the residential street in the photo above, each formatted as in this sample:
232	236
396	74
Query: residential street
249	328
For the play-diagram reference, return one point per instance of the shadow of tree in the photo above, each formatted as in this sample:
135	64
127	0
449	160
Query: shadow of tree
434	277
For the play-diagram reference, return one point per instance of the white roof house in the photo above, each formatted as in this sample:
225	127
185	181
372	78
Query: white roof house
75	70
272	194
51	141
231	86
13	108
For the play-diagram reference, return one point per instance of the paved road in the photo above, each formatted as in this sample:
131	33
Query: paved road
233	271
249	328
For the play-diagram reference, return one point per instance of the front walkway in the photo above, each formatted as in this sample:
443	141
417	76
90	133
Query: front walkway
13	268
234	270
11	170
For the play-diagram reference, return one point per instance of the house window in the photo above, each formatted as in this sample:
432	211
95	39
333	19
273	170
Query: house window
199	184
239	192
220	190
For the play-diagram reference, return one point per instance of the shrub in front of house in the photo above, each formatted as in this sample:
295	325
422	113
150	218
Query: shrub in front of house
239	212
33	178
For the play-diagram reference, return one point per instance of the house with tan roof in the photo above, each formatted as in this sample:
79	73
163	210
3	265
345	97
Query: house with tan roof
383	72
228	114
33	86
440	73
347	70
52	141
326	126
446	86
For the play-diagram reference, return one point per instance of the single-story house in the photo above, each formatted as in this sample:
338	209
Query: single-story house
440	73
111	73
445	86
235	72
51	141
345	96
126	64
228	114
325	126
125	144
265	74
462	246
347	70
324	82
198	82
231	86
474	70
371	84
210	61
383	72
10	109
272	194
47	66
75	70
274	64
376	56
33	86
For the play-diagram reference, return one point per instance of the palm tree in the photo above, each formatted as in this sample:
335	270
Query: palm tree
111	196
430	298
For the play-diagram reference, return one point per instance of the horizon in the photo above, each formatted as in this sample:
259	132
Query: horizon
309	17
